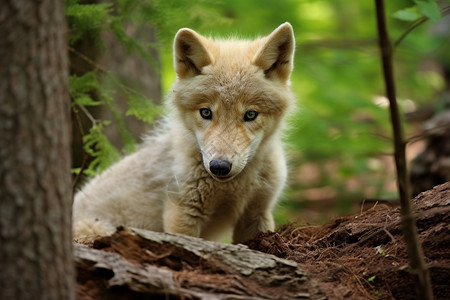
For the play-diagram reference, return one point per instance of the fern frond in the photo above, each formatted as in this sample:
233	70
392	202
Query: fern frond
142	108
82	87
97	145
87	18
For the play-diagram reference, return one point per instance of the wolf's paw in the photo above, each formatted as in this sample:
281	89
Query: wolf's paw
86	231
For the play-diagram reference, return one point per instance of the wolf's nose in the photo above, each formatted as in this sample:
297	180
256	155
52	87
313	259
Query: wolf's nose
220	167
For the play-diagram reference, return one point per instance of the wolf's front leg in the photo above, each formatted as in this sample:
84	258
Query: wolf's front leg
251	223
189	204
183	218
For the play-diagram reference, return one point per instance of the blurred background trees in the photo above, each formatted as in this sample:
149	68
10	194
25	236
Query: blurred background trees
339	138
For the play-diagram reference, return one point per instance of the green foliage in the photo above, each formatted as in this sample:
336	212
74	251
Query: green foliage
142	108
429	9
88	21
377	294
422	8
125	134
85	91
169	16
408	14
100	149
82	88
342	123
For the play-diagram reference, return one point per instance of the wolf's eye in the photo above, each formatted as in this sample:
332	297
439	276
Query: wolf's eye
250	115
206	113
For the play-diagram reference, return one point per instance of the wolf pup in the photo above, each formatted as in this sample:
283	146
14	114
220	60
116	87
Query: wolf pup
216	162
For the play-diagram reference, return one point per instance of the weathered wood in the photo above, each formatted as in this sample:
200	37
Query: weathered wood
238	258
204	270
137	277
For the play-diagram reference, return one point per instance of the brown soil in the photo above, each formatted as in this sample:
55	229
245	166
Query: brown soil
356	257
364	256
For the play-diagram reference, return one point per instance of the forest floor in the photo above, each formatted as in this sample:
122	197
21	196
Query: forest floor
356	257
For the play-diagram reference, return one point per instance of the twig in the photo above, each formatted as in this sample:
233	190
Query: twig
414	25
393	239
381	136
426	133
85	155
88	115
362	207
96	66
88	60
415	254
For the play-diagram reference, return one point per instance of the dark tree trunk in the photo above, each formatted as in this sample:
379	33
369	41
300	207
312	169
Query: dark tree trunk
35	184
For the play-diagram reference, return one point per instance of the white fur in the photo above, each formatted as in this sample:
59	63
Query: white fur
167	185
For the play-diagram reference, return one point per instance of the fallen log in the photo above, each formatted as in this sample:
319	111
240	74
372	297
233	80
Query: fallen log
138	264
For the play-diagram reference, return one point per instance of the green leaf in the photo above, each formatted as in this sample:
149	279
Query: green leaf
371	279
85	100
429	9
86	18
142	108
377	294
75	171
80	85
97	145
407	14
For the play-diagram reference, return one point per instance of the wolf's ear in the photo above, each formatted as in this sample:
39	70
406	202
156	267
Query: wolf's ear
190	54
276	55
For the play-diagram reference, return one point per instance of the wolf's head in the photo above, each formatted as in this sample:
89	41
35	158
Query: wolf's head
232	94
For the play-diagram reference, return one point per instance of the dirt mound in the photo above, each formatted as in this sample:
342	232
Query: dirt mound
364	256
357	257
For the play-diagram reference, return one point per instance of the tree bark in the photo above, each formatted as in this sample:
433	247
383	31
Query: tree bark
141	264
35	184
